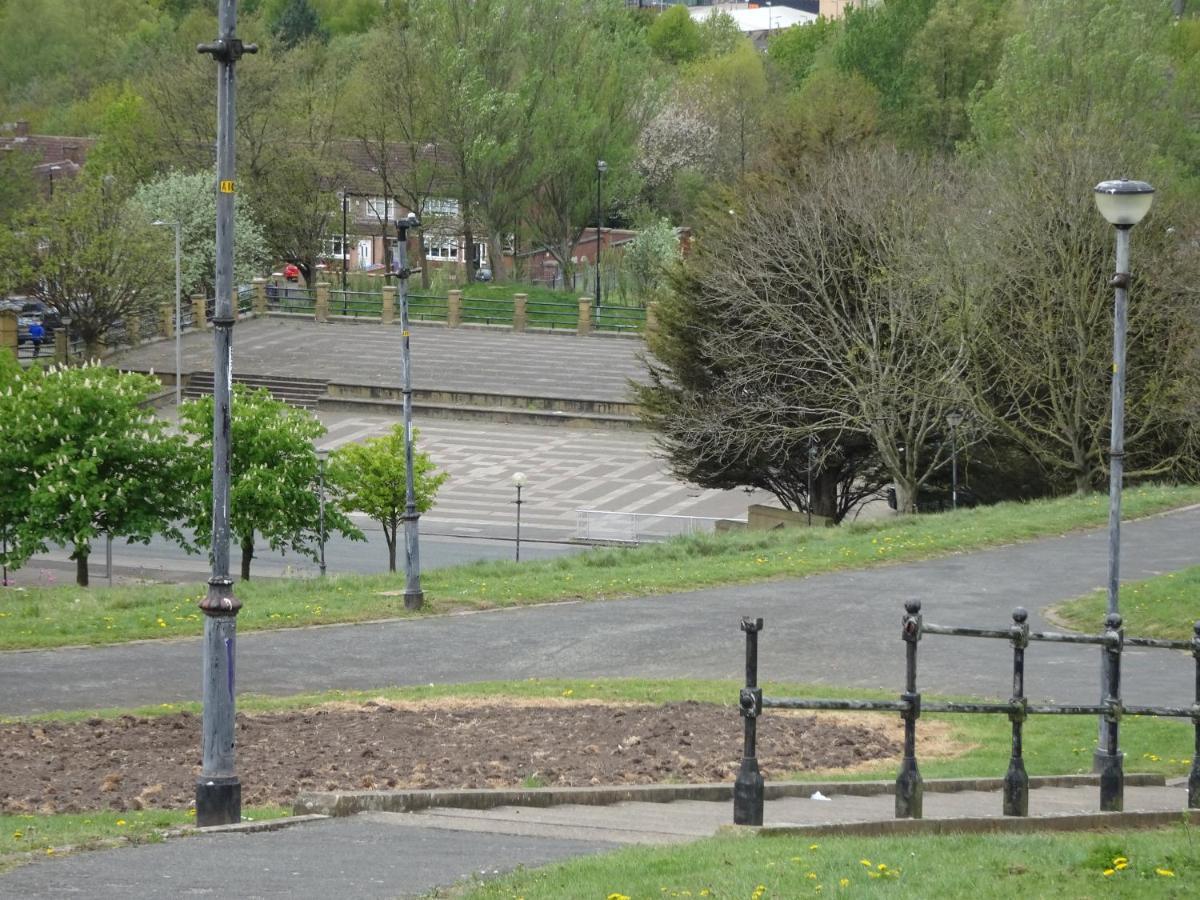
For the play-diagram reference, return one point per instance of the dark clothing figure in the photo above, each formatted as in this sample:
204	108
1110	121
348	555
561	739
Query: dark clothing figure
37	334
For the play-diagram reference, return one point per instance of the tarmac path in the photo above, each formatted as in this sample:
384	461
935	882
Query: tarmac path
841	628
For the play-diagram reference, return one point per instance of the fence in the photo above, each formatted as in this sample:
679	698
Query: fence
748	788
598	526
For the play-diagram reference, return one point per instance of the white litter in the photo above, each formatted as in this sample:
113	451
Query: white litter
817	795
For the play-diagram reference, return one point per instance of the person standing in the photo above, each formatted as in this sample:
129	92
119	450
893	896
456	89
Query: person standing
37	334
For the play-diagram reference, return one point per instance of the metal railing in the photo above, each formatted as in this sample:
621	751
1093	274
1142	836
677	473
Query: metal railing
289	299
748	788
552	314
487	311
620	318
602	527
426	307
355	304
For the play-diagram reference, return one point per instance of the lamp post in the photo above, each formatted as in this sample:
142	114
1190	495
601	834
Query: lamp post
65	321
601	168
178	323
518	481
322	456
954	418
414	597
1123	204
50	173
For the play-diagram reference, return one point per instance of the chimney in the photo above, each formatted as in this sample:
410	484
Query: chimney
22	128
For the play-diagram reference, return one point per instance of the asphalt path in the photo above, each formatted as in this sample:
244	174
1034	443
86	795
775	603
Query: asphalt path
840	628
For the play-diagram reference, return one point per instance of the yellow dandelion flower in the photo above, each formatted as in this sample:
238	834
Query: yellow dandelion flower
1120	865
812	875
1165	873
845	882
18	835
49	851
1108	872
865	862
568	692
615	896
120	821
882	867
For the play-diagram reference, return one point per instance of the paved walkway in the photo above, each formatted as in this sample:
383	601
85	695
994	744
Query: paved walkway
839	629
386	855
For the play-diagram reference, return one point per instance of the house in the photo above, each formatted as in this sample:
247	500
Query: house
542	268
54	158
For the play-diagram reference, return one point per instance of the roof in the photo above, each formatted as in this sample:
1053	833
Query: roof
756	19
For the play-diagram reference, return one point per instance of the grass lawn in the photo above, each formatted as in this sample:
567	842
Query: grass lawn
1163	607
23	837
65	615
1162	863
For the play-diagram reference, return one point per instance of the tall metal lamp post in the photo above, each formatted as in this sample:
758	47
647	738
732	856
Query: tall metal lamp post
178	323
601	168
1123	203
518	481
322	456
218	788
954	418
414	597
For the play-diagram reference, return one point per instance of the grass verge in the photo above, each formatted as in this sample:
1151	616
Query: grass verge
25	837
1160	863
66	615
1163	607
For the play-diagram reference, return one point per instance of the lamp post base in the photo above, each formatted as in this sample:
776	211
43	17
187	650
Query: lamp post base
218	801
414	599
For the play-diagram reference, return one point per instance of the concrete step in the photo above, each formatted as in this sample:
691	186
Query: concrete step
304	393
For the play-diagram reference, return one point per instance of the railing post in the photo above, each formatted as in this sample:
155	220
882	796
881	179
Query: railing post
167	320
1194	776
585	316
321	310
387	310
1112	775
199	312
454	309
260	296
520	309
909	787
1016	781
748	787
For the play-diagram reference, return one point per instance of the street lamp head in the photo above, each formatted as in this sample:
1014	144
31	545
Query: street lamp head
601	166
954	418
1123	202
322	454
518	479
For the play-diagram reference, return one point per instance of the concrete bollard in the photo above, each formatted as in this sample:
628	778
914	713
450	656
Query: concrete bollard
585	315
388	309
454	309
199	311
260	296
520	309
168	320
322	307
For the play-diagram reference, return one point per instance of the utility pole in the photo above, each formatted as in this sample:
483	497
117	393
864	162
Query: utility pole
414	597
218	789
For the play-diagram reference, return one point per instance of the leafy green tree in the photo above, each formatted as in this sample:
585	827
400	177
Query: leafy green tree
370	478
84	455
18	189
85	254
297	22
831	112
795	52
674	37
273	473
649	257
189	200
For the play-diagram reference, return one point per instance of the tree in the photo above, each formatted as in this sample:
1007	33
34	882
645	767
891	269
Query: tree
190	201
82	455
273	472
794	52
18	189
88	256
296	23
674	37
370	478
649	257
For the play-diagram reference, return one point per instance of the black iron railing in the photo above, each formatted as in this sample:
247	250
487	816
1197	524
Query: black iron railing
748	789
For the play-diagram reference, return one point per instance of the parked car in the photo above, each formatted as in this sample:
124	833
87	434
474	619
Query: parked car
484	274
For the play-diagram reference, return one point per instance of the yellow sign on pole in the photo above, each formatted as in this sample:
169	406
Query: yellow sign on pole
226	187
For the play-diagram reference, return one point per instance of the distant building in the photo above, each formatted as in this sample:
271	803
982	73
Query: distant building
758	21
54	158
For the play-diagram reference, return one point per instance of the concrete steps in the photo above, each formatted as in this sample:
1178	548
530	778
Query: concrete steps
303	393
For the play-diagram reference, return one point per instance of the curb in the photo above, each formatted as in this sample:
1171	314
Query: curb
248	827
976	825
348	803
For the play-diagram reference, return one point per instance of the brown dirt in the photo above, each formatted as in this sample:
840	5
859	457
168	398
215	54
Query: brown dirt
133	762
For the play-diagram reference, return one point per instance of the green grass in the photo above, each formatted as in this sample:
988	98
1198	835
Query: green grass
66	615
1158	863
1163	607
1060	745
25	837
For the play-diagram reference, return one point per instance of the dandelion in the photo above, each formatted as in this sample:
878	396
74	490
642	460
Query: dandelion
813	846
758	892
120	821
615	896
1165	873
18	835
845	882
49	851
568	692
1108	872
1120	863
865	862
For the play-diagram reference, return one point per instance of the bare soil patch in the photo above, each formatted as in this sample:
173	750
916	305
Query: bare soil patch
134	762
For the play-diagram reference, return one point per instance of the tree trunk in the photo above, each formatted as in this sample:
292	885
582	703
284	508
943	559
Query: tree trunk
389	535
247	555
906	497
824	498
81	563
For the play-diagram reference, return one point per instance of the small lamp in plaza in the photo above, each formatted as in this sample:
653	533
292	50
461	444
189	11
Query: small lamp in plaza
66	326
322	457
1123	204
954	418
601	168
518	481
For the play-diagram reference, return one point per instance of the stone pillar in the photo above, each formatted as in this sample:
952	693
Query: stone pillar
585	315
60	345
260	296
8	331
454	309
520	311
322	310
199	304
387	311
168	320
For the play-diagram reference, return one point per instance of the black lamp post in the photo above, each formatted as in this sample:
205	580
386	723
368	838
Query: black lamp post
65	321
954	418
518	481
322	456
1123	203
601	168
